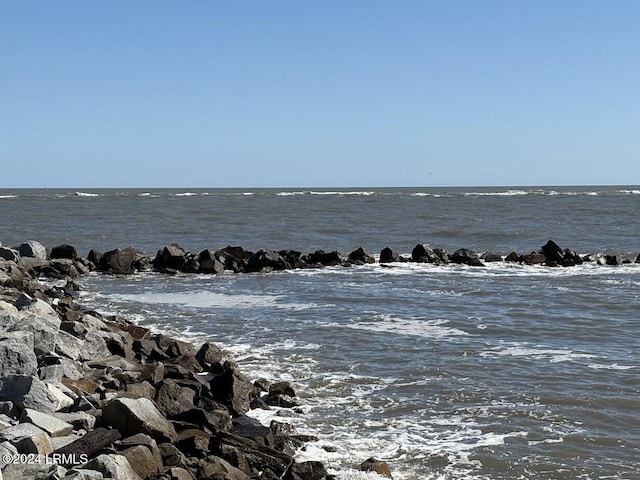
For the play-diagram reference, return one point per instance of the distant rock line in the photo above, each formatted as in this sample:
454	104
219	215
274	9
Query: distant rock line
63	261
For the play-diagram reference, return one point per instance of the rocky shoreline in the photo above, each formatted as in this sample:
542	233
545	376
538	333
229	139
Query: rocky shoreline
89	396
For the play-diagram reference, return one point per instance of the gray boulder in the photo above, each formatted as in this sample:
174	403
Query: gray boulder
33	249
27	391
113	466
51	425
16	354
131	416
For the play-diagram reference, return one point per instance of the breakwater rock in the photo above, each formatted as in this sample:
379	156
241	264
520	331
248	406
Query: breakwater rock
89	396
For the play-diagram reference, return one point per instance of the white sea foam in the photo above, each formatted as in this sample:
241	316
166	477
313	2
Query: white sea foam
86	194
184	194
290	194
508	193
613	366
630	192
434	329
536	352
356	193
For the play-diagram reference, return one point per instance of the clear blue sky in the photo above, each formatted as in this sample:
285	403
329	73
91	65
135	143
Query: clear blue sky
325	93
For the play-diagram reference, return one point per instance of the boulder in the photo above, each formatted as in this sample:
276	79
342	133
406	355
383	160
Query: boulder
209	357
320	257
232	389
119	261
33	249
513	257
27	391
209	263
53	426
306	471
172	399
215	468
39	444
113	466
142	460
282	388
466	257
534	259
422	254
233	258
490	257
131	416
378	466
172	258
16	354
552	252
293	258
9	254
360	257
389	256
266	259
612	260
21	430
64	251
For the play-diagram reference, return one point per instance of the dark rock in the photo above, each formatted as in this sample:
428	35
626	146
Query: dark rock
95	257
209	263
209	356
248	427
119	261
534	259
212	419
172	258
552	252
172	456
422	254
360	257
172	399
93	442
306	471
64	251
233	258
27	391
377	466
278	400
216	468
262	384
142	460
389	256
466	257
513	257
193	442
293	258
9	254
266	259
281	388
232	389
258	455
612	260
320	257
491	257
33	249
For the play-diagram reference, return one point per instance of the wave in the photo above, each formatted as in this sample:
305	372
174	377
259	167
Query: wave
8	196
86	194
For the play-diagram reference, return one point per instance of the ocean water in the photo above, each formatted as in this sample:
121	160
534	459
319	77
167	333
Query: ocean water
445	372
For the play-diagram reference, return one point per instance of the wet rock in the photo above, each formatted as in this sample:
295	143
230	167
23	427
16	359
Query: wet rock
64	251
306	471
33	249
209	357
513	257
611	260
233	390
171	259
389	256
320	257
378	466
465	256
233	258
132	416
490	257
360	257
119	261
282	388
209	263
552	252
266	259
534	259
422	254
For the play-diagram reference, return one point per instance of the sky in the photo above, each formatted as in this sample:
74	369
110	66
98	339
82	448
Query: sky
319	93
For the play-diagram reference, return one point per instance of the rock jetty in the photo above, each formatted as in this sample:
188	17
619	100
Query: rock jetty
89	396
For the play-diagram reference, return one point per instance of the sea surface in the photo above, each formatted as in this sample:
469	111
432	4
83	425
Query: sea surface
444	372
